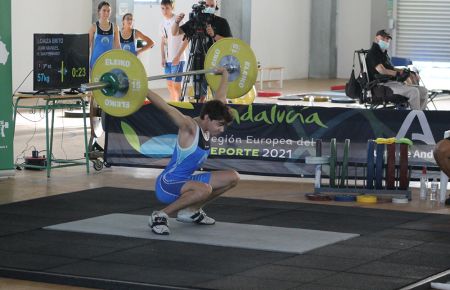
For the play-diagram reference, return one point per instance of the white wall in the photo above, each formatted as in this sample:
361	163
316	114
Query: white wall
43	16
353	32
279	40
147	19
280	35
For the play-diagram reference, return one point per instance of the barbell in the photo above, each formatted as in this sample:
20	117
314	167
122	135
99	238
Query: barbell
120	85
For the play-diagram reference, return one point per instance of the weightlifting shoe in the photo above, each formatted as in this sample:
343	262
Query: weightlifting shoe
159	223
198	217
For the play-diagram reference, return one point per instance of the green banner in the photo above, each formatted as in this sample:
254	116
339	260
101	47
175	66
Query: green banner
6	122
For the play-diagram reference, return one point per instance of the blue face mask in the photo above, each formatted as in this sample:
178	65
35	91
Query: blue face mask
209	10
383	44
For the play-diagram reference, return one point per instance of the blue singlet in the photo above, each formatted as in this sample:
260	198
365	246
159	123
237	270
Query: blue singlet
130	43
181	168
103	42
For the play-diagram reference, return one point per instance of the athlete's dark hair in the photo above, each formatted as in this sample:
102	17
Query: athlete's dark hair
168	3
101	4
127	14
216	110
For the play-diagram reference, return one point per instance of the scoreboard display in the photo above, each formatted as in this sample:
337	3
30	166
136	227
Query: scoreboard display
60	61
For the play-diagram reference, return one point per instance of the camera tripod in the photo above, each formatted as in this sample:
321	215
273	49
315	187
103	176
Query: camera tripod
196	60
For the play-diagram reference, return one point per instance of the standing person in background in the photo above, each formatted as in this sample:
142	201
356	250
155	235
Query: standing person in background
103	36
129	36
173	56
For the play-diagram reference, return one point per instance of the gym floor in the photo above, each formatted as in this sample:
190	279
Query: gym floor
26	185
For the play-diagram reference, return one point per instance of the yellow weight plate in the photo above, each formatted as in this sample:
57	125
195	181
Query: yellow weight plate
246	99
321	99
122	103
236	52
316	98
369	199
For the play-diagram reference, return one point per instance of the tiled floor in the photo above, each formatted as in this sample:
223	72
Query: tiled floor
68	143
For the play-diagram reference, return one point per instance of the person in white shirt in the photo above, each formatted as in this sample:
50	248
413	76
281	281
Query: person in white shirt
173	56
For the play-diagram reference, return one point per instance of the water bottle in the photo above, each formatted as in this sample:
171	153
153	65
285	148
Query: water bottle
434	190
443	187
423	184
318	173
311	101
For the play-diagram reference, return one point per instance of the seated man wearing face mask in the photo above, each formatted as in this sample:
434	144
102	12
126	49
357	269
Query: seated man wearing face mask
378	62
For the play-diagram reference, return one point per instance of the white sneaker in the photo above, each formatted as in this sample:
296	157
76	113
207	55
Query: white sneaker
159	223
198	217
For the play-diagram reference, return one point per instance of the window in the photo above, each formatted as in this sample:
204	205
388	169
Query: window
423	30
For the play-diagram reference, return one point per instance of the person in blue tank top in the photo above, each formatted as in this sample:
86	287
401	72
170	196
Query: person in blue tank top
129	37
103	34
185	192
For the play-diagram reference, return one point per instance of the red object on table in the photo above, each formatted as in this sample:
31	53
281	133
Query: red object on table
338	88
269	94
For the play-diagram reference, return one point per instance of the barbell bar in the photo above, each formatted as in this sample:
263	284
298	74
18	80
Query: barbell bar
109	84
120	85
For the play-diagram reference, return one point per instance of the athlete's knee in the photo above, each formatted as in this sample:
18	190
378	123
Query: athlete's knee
233	177
204	190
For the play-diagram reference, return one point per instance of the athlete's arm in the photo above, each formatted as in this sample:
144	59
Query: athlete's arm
221	93
116	38
150	42
180	120
91	36
163	51
182	48
176	26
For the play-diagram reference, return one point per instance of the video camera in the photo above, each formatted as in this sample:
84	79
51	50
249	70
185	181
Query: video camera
199	18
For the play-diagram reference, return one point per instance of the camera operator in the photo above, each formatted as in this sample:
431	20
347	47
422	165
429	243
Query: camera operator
204	24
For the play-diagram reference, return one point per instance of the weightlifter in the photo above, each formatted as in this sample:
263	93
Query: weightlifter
185	192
